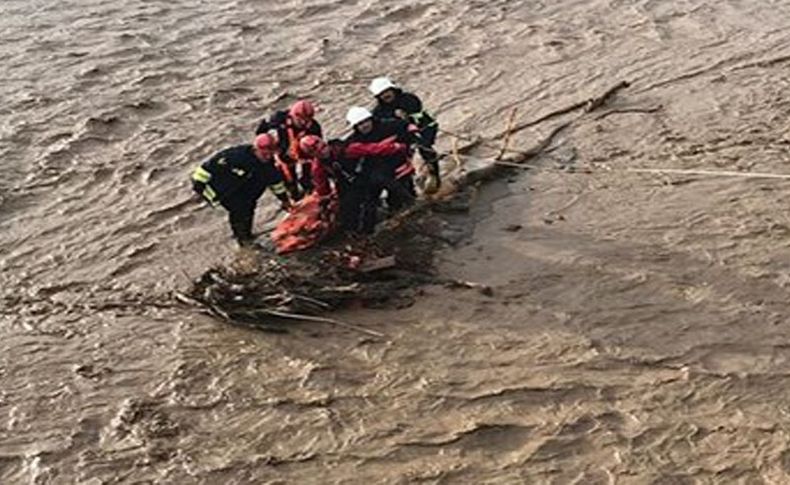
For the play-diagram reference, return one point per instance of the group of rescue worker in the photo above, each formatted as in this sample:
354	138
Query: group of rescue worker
290	156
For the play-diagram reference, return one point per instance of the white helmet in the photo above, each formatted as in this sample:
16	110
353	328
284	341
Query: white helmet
357	115
381	84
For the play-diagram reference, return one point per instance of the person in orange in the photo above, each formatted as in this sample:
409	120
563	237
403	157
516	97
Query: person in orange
291	126
342	162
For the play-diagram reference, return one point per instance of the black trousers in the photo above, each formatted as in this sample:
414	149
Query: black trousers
241	213
400	194
427	152
351	197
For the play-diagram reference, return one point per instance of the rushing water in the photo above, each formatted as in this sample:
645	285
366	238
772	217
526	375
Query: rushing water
637	332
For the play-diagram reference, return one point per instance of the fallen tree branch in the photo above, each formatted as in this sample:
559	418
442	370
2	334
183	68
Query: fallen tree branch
652	109
474	142
492	169
314	301
456	155
715	173
331	321
588	105
595	103
523	166
508	133
209	308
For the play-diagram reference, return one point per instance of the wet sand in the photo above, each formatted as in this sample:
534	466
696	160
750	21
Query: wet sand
637	331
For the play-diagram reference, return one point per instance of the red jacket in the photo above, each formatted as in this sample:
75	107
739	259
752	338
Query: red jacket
322	172
385	148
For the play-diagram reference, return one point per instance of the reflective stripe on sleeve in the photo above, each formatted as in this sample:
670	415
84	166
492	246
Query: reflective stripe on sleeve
210	195
417	118
278	188
201	175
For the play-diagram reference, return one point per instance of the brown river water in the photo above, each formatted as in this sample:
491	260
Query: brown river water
637	330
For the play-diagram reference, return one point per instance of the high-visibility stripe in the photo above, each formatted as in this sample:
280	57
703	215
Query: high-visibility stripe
278	189
201	175
417	117
210	195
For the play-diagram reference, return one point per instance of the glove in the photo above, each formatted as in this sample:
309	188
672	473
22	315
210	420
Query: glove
401	147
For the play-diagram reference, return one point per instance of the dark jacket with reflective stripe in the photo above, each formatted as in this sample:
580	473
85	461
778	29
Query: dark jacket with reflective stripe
409	103
281	123
237	172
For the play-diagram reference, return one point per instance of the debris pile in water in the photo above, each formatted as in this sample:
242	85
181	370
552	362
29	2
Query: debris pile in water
386	269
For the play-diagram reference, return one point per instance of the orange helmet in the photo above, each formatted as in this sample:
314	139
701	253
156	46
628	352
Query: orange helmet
313	146
302	110
266	143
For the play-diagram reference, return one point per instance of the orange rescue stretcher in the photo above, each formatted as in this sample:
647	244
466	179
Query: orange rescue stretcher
306	225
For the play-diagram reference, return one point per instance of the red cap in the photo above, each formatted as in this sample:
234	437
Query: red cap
266	143
313	146
302	109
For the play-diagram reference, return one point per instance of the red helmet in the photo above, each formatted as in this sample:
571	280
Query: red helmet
313	146
302	110
266	143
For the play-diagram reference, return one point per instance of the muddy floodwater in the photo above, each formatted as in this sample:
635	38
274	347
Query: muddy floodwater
637	329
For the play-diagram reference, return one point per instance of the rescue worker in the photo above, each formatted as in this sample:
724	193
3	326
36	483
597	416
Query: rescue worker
339	161
290	126
236	177
394	102
391	173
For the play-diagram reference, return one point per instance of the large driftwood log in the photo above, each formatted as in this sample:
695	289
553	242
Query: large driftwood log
587	105
476	170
